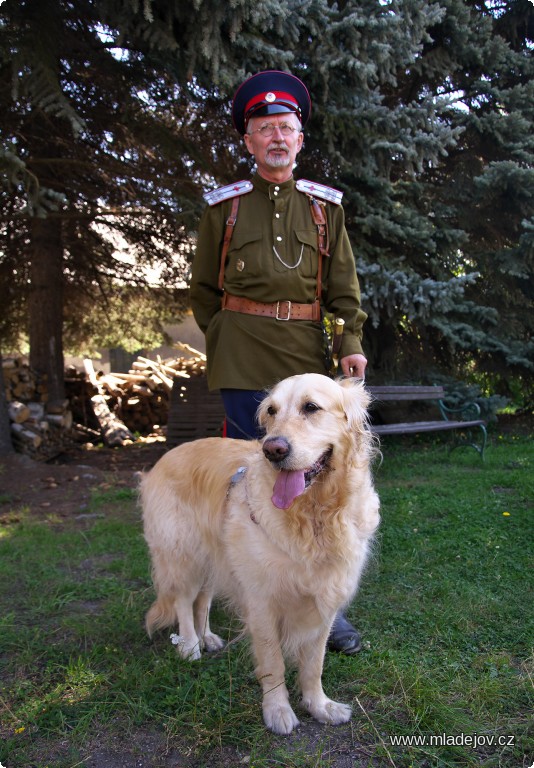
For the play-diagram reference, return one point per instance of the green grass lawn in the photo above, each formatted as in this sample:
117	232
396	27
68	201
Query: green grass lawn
445	609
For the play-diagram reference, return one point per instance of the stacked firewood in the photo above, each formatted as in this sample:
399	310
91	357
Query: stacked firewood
138	399
109	407
38	425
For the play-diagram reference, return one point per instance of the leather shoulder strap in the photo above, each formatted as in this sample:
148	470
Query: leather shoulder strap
228	232
319	219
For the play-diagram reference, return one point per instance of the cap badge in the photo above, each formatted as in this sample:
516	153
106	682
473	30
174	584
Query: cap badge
270	97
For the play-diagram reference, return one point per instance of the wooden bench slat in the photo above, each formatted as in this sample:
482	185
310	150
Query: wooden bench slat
398	393
411	427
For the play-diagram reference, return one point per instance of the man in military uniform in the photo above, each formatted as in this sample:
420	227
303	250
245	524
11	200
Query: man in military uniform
271	251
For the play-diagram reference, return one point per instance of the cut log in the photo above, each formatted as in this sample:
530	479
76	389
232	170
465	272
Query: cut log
130	378
26	436
85	434
37	411
57	406
18	412
187	348
63	420
159	371
91	373
114	431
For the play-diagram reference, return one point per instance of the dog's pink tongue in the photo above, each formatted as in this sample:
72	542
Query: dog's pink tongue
288	486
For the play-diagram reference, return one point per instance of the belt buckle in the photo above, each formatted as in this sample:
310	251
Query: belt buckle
284	301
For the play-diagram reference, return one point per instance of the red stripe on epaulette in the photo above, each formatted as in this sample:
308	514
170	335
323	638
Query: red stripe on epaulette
321	191
227	192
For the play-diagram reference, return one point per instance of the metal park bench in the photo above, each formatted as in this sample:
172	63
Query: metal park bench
462	421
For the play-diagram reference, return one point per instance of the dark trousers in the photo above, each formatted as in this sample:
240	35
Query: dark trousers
240	406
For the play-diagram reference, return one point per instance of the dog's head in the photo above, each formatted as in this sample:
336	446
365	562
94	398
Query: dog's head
312	425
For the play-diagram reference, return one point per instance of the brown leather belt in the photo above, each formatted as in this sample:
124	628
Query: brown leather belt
280	310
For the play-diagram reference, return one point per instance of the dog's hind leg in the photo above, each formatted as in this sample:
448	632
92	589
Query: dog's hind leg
310	665
169	610
210	641
189	646
178	580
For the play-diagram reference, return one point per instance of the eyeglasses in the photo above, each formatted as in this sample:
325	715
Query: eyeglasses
268	129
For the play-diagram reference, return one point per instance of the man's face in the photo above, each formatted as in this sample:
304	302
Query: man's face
277	152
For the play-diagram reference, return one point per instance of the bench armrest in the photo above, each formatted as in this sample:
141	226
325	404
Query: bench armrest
466	412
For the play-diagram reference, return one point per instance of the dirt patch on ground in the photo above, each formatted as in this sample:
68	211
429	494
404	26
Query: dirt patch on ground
66	482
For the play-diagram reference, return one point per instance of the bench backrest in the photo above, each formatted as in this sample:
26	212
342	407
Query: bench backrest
397	393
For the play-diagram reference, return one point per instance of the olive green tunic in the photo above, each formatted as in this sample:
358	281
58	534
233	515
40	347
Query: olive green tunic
252	352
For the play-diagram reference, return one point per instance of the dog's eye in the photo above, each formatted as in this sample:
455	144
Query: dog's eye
311	407
271	410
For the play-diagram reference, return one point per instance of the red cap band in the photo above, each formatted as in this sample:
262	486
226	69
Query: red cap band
276	97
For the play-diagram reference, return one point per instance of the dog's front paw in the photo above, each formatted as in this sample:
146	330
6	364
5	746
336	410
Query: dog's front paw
279	718
212	642
329	712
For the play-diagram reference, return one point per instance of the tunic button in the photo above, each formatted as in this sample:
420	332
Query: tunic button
279	239
277	189
277	215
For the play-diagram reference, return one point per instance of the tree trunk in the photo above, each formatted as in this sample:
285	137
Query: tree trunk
6	444
46	304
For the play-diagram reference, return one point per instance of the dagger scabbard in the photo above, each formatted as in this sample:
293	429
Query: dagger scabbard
336	344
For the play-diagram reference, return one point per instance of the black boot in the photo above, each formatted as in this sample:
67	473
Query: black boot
343	637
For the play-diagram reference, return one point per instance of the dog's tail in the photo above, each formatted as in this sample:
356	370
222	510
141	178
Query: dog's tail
161	614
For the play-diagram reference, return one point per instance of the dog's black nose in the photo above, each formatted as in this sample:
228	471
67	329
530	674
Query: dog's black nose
276	449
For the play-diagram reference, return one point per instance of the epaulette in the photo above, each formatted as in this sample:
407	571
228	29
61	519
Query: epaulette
321	191
230	190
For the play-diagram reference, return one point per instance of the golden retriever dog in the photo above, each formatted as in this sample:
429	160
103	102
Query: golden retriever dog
280	528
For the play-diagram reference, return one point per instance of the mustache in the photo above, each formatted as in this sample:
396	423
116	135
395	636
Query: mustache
277	146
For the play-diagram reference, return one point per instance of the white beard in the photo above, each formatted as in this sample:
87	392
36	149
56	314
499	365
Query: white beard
276	161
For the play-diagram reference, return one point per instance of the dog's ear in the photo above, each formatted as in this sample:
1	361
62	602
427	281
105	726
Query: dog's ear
261	413
356	401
